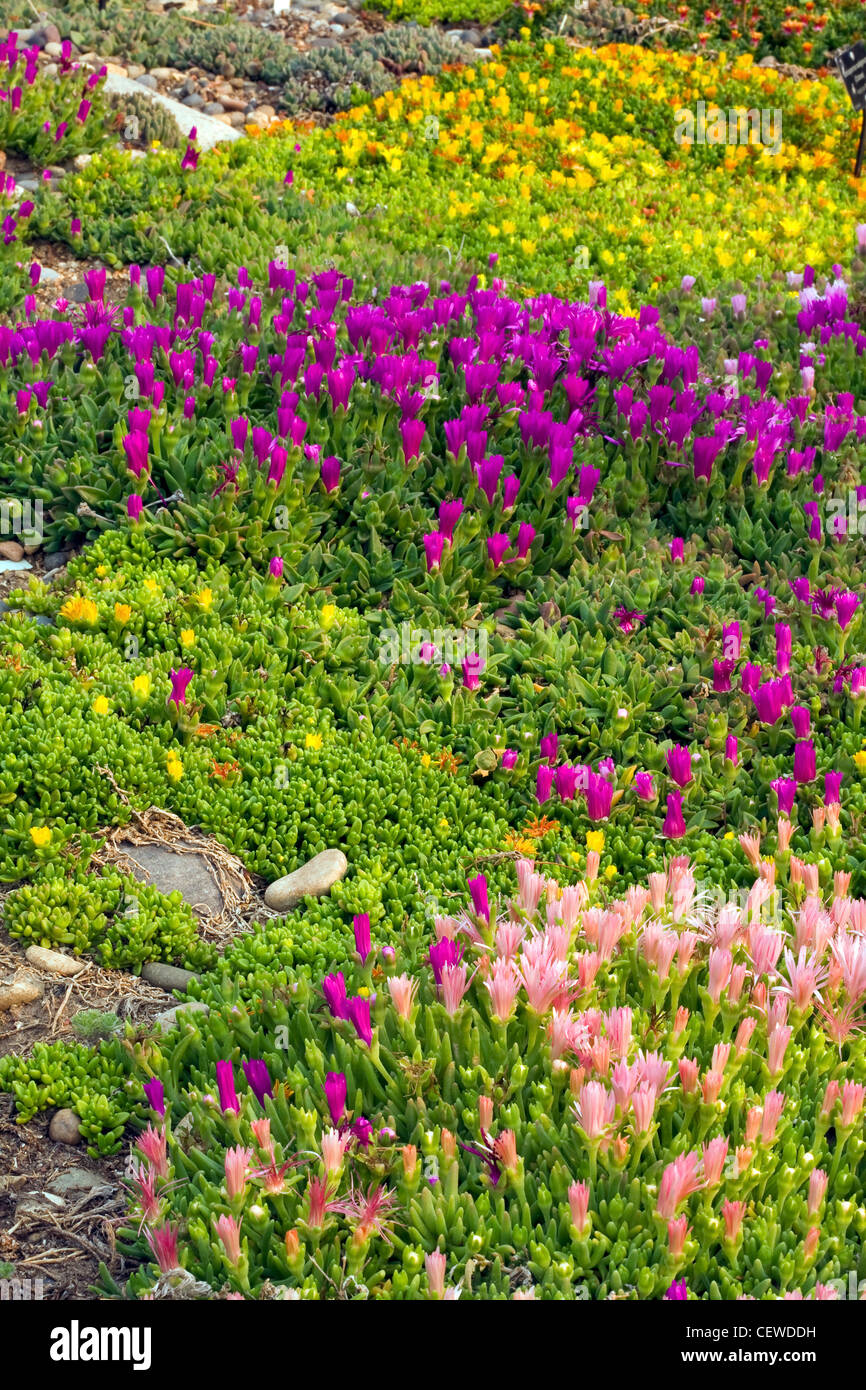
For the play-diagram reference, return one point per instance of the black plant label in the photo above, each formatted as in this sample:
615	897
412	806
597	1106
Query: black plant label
851	63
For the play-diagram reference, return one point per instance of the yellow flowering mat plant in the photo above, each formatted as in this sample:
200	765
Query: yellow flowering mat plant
562	163
565	163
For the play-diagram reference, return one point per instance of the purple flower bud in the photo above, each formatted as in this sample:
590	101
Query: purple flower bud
643	785
179	683
510	489
674	826
497	545
847	604
525	537
543	783
478	892
679	763
599	796
472	667
258	1079
331	473
228	1096
804	761
786	793
548	747
335	1095
449	515
358	1011
361	927
334	990
442	953
434	544
155	1093
362	1130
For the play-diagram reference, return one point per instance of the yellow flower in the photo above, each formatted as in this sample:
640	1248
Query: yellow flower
152	586
363	991
141	684
595	840
610	871
205	598
444	824
729	835
100	705
80	610
40	835
174	767
313	741
860	759
122	613
102	571
328	614
426	759
187	637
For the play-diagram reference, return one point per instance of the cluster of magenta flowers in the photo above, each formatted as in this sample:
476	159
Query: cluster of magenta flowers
654	1096
16	214
48	120
503	417
383	343
268	396
601	788
524	407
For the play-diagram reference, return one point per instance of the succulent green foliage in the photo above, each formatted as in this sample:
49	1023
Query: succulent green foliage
110	916
90	1081
332	79
91	1025
144	122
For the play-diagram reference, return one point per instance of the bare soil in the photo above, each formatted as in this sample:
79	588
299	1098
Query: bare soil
60	1241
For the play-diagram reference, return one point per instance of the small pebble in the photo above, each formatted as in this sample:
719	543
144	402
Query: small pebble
65	1128
55	962
167	977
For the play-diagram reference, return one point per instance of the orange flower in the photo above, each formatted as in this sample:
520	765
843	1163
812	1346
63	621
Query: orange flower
539	827
224	769
519	843
448	762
